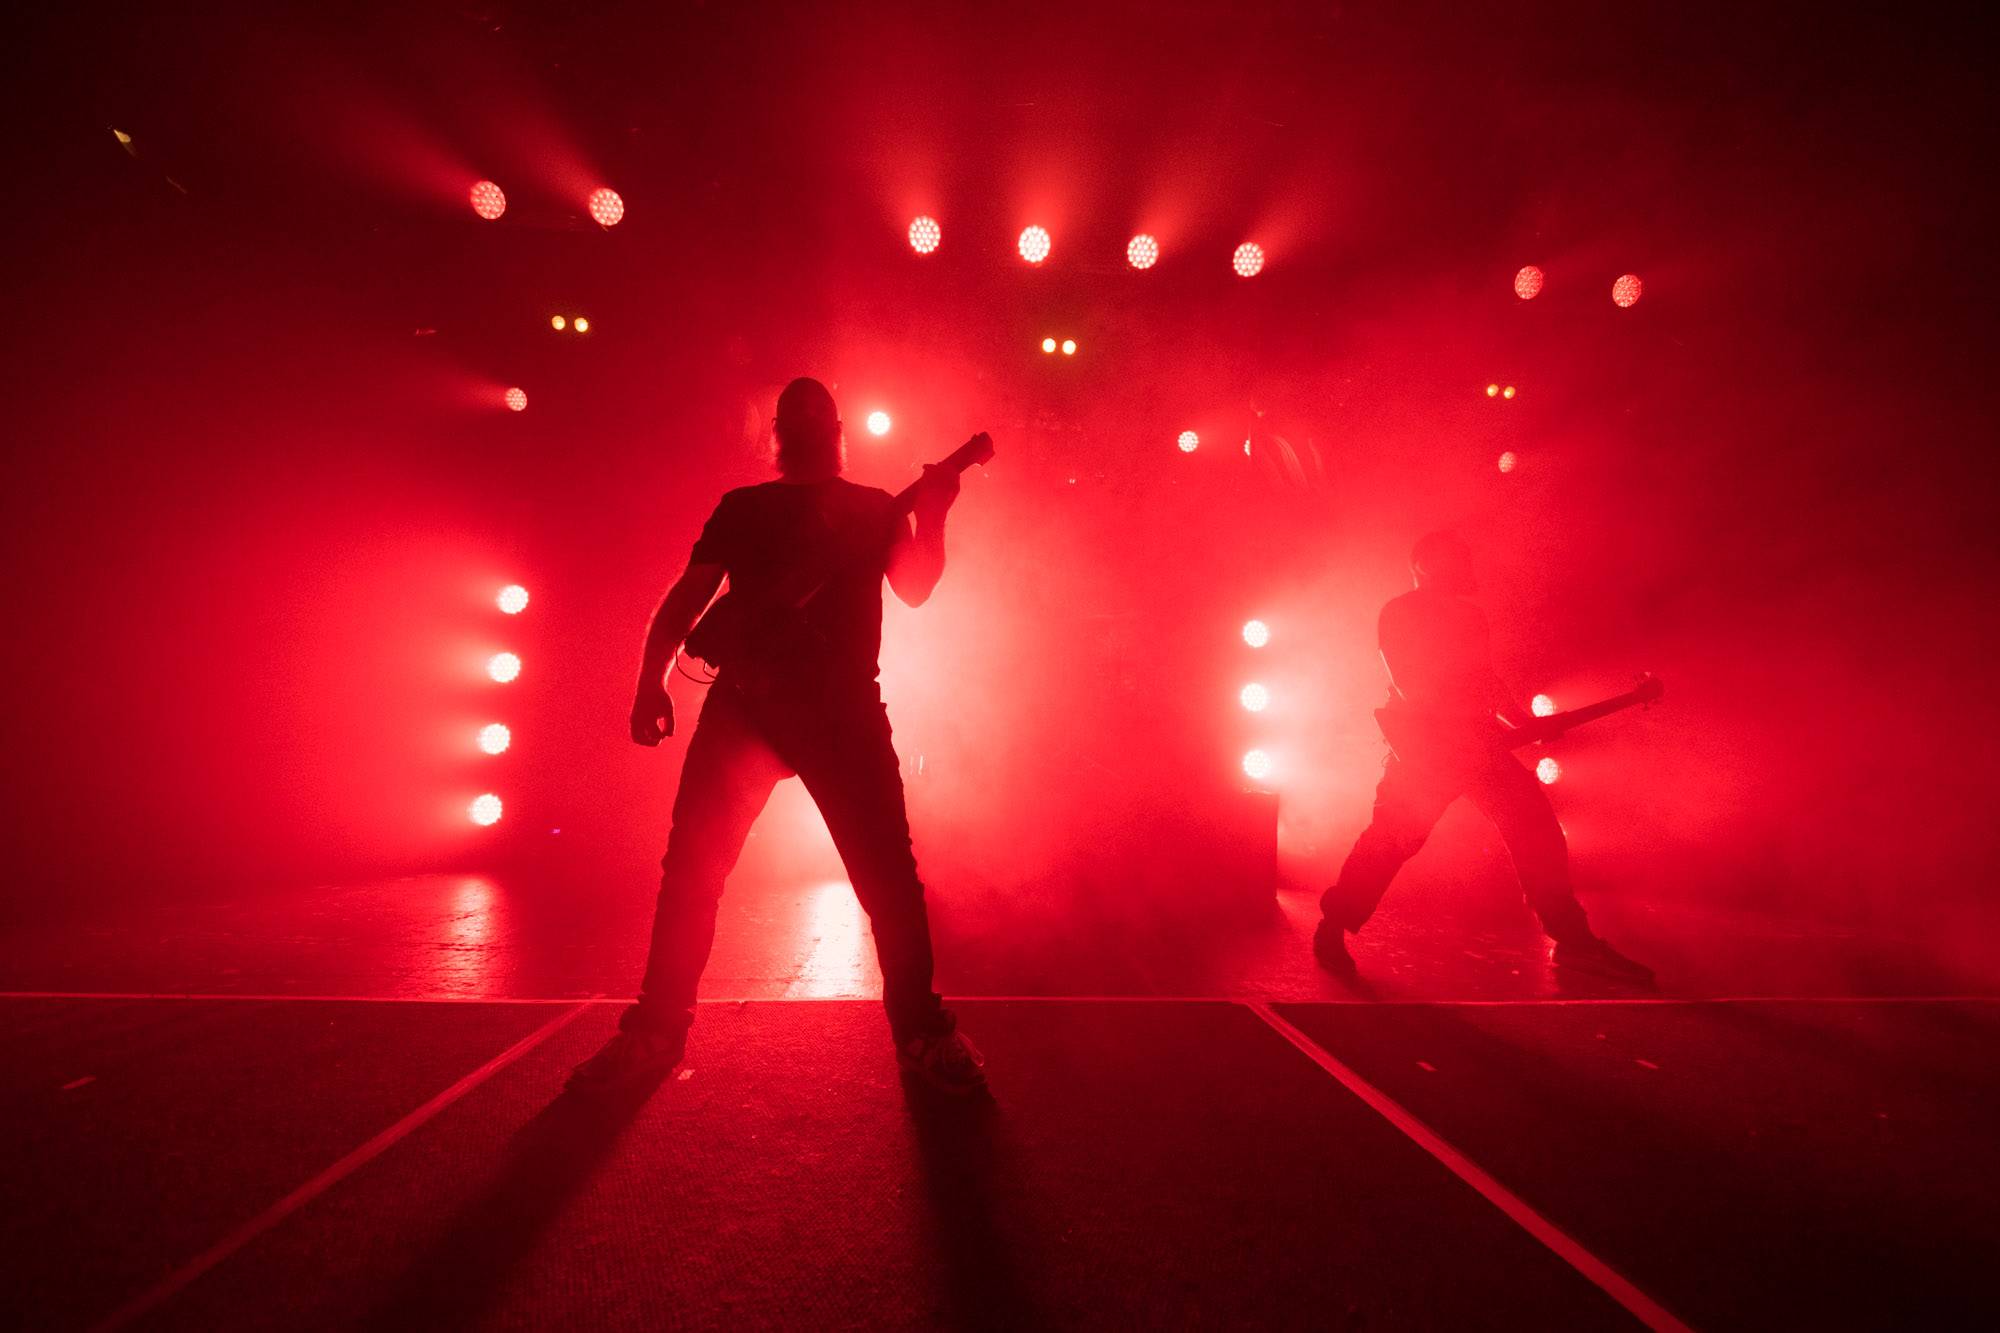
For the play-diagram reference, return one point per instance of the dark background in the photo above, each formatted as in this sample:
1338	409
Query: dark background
262	489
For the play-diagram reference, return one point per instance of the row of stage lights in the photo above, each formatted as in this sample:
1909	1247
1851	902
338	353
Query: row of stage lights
503	668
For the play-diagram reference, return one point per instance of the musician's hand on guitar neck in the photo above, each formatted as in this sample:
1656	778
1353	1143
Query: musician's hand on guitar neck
652	715
934	498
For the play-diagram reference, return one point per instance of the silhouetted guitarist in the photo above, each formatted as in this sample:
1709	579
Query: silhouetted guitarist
798	697
1444	697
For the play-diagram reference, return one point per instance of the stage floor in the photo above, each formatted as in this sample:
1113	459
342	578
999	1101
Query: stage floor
341	1107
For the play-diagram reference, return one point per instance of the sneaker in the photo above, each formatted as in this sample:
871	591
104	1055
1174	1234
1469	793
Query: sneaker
1598	959
947	1062
630	1061
1330	948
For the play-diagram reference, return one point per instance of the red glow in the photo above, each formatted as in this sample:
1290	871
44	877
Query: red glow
1034	244
1548	770
1142	251
494	738
516	400
503	667
488	200
1188	441
1626	291
1528	283
484	810
1256	633
1248	260
606	207
513	599
925	235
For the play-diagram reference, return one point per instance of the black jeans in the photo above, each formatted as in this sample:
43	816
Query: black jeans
838	743
1410	801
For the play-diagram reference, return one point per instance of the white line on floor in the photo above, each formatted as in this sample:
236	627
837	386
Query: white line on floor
1565	1247
181	1277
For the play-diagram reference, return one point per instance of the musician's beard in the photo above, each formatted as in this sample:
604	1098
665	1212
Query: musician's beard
812	462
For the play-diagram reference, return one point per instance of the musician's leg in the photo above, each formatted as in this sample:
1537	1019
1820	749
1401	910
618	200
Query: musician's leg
848	763
1407	804
725	782
1509	795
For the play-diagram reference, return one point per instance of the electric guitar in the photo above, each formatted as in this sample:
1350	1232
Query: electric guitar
1406	728
772	628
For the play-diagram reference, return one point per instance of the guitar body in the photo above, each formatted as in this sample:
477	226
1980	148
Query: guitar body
737	632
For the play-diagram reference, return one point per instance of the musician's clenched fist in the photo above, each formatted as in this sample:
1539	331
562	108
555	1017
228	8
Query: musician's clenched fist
652	715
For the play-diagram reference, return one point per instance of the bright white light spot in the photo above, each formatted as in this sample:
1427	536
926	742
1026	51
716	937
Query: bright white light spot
1542	706
606	207
1049	345
878	423
1142	251
503	667
925	234
1548	770
513	599
487	199
1034	244
1255	697
1257	765
1528	283
516	400
1492	391
1188	441
1069	347
484	809
1508	461
582	324
494	738
1507	392
1256	633
1626	291
558	323
1248	261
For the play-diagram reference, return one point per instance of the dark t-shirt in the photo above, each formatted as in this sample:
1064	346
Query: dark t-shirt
1440	658
768	536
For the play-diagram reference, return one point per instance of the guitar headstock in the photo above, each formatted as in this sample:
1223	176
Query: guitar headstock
978	449
1649	689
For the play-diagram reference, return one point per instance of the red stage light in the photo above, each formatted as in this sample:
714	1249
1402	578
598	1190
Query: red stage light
1256	633
1257	765
878	423
484	810
1142	251
513	599
1492	391
1626	291
1069	347
1049	345
580	324
1542	706
503	667
1508	461
1507	392
516	400
1248	260
606	207
558	323
1034	244
1528	283
488	200
925	234
1188	441
494	738
1548	770
1254	697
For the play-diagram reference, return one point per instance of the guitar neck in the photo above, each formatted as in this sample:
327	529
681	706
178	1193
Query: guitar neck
975	450
1542	728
